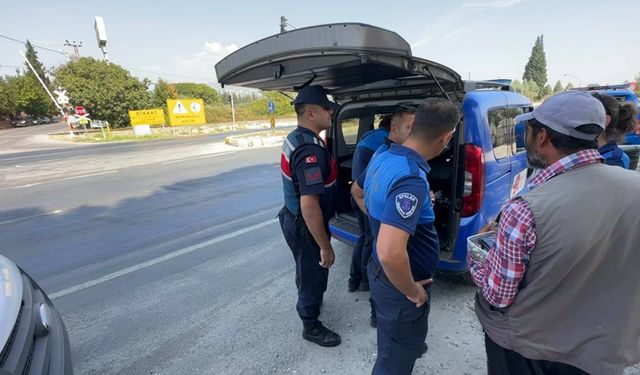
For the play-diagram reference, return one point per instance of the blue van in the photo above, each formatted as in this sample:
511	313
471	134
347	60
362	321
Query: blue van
371	72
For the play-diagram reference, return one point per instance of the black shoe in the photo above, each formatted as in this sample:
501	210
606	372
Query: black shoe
364	287
353	285
321	335
373	321
424	349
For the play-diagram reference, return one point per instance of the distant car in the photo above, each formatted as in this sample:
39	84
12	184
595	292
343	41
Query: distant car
43	120
54	119
33	337
25	121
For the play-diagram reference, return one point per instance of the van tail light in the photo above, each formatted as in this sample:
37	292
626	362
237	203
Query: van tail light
473	180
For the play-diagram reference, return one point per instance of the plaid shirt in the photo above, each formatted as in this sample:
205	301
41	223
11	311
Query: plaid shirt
500	275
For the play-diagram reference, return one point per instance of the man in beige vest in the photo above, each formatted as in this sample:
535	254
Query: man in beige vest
558	292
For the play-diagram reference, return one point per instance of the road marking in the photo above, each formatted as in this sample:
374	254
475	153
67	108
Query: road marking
30	217
63	179
196	157
149	263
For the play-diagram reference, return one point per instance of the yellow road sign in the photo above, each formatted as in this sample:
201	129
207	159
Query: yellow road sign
153	116
185	111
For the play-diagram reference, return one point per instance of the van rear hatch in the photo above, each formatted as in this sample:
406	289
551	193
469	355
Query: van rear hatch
336	56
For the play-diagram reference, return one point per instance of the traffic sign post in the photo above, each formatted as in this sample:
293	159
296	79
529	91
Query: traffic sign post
80	111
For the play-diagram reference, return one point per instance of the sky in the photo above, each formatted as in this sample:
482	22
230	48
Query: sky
585	41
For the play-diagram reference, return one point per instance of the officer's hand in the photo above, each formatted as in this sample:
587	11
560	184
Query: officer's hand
420	298
327	257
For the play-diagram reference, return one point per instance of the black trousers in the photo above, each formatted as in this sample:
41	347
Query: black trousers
311	278
501	361
362	249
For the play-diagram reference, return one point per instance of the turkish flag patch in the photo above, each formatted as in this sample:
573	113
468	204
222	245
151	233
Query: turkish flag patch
311	159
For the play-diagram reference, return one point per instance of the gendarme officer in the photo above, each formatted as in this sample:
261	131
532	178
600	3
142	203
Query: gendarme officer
309	176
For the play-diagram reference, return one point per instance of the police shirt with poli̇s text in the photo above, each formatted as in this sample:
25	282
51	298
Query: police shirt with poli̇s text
313	171
397	194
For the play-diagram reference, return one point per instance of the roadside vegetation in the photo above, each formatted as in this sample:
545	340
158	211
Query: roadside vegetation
108	91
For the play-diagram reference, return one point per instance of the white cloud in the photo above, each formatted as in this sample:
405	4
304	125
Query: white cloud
196	67
491	4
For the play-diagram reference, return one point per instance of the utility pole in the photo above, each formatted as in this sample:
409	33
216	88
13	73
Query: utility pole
284	23
76	46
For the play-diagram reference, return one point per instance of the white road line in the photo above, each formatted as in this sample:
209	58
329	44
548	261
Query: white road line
196	157
29	217
149	263
63	179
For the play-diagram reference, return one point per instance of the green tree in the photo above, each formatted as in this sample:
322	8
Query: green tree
569	86
163	91
558	87
32	57
536	68
106	90
531	90
25	94
198	90
6	106
517	86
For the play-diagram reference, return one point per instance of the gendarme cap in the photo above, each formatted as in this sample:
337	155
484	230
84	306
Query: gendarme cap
314	95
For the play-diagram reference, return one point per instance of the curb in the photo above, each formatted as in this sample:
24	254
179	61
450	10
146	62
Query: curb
262	139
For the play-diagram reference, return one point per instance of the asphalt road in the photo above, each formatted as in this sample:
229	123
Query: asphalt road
166	258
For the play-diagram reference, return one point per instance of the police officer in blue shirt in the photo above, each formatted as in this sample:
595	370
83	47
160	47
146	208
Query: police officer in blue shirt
398	126
308	177
392	129
406	247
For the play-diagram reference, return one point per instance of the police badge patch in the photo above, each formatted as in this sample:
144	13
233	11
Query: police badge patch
406	204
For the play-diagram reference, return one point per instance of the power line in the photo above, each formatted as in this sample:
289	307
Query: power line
137	70
168	74
35	46
9	66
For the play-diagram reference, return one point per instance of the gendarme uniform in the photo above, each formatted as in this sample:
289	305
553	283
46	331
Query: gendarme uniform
397	194
307	168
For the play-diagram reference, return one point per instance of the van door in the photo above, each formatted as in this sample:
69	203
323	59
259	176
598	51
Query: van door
486	128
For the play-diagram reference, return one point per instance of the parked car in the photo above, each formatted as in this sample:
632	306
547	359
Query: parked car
43	120
25	121
371	72
32	335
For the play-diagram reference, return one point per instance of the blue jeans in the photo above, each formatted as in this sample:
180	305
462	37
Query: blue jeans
402	327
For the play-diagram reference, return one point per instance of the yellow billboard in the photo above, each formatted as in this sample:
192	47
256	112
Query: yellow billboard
186	111
153	116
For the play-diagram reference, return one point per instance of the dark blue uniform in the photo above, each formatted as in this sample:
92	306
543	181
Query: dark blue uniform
365	150
307	168
613	155
397	194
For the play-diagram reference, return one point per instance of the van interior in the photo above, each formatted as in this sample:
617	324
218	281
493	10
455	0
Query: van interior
445	178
